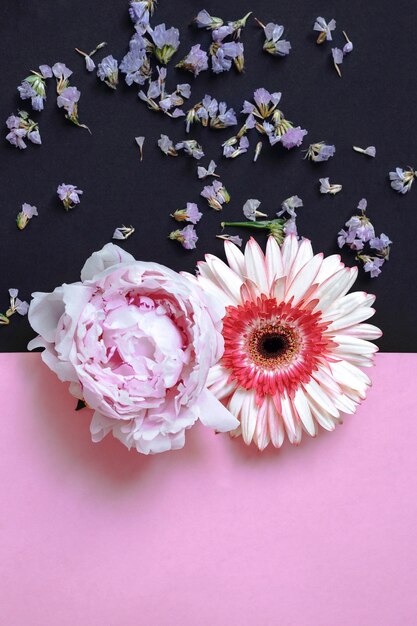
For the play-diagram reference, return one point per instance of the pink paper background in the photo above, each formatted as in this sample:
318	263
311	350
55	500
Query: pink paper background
216	534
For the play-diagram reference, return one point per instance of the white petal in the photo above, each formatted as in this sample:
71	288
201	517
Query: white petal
273	257
303	280
214	414
255	265
292	426
261	435
352	345
364	331
331	265
248	416
304	254
45	311
334	287
322	417
234	257
228	280
318	394
278	289
347	374
347	304
289	251
303	409
214	289
358	315
276	425
99	261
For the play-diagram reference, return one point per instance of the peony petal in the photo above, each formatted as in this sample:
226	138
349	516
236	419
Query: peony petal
214	414
108	256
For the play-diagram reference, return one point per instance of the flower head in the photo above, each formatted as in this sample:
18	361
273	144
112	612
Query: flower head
189	214
187	237
250	210
196	61
327	187
205	20
89	63
223	54
216	195
191	147
166	146
21	127
273	43
289	205
320	151
25	215
293	137
15	306
202	172
210	112
69	195
136	341
166	42
324	28
234	147
33	87
401	180
140	11
294	340
123	232
108	71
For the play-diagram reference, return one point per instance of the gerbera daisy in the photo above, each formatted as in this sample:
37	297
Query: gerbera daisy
293	339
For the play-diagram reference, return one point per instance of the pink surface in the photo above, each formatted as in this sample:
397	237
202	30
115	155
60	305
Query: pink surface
216	534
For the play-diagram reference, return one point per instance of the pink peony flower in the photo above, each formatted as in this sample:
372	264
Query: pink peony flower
136	341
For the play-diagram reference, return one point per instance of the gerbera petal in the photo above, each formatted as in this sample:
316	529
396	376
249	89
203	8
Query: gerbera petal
276	425
303	409
229	281
304	254
212	287
364	331
248	416
255	265
292	425
326	421
302	281
274	266
354	318
289	251
261	436
319	395
278	288
334	287
347	304
331	265
235	257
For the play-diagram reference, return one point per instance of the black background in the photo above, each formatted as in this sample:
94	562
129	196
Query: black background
373	104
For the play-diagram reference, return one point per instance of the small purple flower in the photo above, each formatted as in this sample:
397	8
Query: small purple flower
327	187
290	227
33	87
196	61
166	42
250	210
324	28
46	71
369	151
202	172
234	147
141	10
68	100
373	265
135	64
216	195
108	71
69	195
189	214
187	237
191	147
16	306
205	20
337	55
381	243
348	47
166	145
61	71
123	232
232	238
402	180
319	152
293	137
22	127
273	43
289	205
25	215
223	54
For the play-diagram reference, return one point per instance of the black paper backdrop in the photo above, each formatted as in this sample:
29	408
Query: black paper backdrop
373	104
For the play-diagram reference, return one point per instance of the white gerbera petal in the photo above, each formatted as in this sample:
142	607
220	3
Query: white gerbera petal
227	278
255	265
235	258
303	280
248	417
274	265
